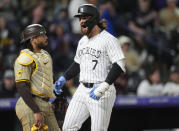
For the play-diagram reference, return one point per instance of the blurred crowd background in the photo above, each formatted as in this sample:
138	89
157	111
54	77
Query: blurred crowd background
147	30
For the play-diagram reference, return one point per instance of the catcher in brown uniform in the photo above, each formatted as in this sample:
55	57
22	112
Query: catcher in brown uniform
34	81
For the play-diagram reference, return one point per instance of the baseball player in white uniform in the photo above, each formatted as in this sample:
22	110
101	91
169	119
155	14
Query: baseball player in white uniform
99	60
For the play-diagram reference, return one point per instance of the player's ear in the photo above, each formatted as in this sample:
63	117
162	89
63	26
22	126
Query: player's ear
33	40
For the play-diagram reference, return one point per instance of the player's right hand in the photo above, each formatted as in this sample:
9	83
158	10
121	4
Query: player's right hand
39	120
98	91
59	84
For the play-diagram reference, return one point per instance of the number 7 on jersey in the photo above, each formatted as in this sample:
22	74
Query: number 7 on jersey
96	62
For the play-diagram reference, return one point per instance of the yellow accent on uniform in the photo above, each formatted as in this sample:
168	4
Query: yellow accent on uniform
19	73
35	128
32	59
41	94
22	81
24	59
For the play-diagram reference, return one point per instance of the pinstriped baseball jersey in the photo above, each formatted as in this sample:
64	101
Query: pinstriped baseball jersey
96	56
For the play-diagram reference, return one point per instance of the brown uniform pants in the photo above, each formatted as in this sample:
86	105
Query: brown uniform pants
25	114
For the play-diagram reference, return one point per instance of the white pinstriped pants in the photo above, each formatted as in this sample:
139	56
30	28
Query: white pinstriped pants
82	106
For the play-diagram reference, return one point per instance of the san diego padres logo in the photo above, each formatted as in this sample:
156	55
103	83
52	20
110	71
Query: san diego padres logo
19	73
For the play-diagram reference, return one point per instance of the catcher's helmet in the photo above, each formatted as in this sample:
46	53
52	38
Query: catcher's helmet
89	10
31	31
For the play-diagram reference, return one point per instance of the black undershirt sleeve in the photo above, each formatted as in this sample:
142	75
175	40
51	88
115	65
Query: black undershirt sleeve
23	89
72	71
114	73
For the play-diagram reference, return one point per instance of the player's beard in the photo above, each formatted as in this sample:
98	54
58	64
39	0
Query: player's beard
42	45
84	30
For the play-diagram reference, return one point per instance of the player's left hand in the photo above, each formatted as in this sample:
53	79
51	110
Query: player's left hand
59	84
98	91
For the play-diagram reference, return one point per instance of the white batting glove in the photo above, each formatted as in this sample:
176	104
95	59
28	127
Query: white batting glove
98	92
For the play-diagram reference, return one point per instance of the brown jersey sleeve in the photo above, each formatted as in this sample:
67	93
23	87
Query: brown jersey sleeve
23	89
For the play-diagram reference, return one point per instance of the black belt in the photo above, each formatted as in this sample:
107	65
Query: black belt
43	98
88	85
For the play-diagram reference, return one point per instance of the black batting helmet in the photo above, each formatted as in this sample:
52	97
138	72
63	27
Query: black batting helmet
31	31
89	10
